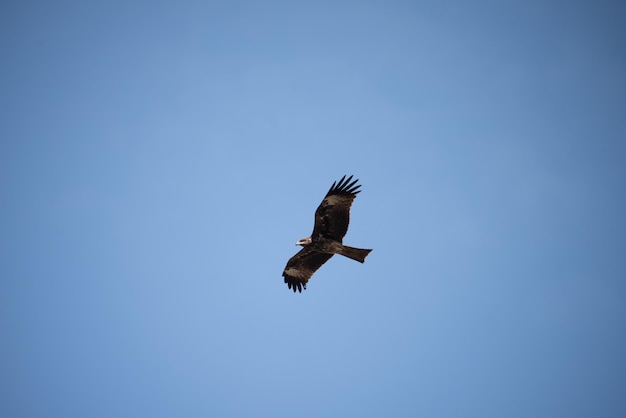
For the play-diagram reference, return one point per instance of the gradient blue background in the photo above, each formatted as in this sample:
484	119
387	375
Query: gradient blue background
158	161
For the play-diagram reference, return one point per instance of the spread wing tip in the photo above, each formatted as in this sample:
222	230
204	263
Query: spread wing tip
294	285
345	186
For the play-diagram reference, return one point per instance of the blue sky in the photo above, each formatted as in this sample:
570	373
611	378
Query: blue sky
158	161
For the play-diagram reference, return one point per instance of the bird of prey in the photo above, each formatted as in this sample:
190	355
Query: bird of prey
331	224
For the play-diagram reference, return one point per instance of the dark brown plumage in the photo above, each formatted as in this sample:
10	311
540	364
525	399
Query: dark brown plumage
332	218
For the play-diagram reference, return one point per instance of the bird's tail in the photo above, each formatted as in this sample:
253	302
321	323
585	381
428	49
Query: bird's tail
357	254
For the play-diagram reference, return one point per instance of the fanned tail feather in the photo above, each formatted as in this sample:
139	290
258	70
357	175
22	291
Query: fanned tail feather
357	254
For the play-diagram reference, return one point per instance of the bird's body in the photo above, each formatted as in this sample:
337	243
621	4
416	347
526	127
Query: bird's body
332	218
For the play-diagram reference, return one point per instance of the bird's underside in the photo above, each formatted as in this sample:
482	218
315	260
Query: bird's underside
332	218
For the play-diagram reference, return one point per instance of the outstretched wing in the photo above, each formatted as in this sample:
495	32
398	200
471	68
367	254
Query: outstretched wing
301	267
333	214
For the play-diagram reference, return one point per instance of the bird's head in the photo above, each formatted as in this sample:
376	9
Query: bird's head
304	241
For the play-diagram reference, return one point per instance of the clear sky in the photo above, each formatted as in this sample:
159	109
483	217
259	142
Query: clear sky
159	160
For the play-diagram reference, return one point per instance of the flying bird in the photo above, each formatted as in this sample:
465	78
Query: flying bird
331	224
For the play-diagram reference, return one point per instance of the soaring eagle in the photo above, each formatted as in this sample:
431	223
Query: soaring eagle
331	224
